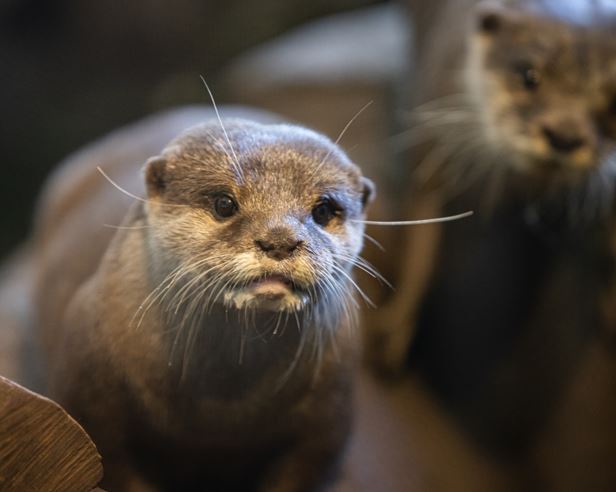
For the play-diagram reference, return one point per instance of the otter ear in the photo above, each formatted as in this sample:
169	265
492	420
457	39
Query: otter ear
368	191
492	17
154	169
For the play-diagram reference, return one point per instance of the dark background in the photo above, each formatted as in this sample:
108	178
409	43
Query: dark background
71	70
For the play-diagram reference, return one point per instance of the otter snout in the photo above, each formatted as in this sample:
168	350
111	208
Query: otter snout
279	243
569	138
562	140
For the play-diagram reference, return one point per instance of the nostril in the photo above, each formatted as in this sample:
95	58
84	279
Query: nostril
264	245
292	245
562	142
278	250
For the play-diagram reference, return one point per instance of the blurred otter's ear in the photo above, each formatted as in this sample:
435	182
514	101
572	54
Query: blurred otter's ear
493	17
154	169
368	191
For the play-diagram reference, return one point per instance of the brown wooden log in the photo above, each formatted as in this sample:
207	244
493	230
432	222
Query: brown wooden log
41	447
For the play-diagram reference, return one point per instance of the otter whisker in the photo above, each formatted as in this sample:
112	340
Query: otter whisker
363	295
216	293
365	267
339	292
336	308
415	222
434	161
460	96
111	226
191	321
185	290
442	155
346	127
164	287
132	195
147	302
355	116
293	365
235	161
223	287
279	318
189	269
374	241
411	138
191	301
470	168
118	187
298	324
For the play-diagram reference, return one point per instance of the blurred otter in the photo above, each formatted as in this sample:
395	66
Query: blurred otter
203	336
515	117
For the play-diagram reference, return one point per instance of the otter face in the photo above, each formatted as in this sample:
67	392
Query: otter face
265	220
545	90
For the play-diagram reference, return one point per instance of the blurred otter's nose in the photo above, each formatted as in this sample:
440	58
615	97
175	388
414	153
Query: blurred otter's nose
563	140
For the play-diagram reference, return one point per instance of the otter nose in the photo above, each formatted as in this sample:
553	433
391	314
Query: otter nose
278	246
563	141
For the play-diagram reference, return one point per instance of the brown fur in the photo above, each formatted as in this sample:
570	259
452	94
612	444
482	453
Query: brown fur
478	135
499	315
188	392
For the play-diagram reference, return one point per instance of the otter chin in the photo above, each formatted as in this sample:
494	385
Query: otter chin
269	293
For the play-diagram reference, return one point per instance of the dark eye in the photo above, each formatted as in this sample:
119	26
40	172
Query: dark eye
530	78
224	206
324	211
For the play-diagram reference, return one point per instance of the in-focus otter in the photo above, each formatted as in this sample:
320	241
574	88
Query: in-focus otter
204	340
515	118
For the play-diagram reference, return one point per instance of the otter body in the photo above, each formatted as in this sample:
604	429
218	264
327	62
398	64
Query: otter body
514	119
202	334
514	109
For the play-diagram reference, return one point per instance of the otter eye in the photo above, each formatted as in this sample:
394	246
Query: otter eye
224	206
324	211
530	78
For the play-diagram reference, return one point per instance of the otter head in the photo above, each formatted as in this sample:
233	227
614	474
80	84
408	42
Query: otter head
264	217
544	85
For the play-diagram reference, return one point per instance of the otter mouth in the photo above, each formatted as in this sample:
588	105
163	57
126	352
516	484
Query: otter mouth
270	292
271	286
560	169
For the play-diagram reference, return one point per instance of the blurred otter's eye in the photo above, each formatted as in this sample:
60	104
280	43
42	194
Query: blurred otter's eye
530	78
324	211
224	206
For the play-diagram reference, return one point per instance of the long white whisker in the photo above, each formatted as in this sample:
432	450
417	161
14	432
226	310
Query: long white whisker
415	222
117	186
346	127
111	226
235	160
128	193
363	295
366	267
374	241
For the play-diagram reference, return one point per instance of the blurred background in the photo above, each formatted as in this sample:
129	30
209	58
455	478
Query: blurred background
74	70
